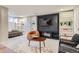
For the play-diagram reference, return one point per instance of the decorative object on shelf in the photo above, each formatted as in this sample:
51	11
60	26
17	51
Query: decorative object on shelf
61	23
70	23
67	23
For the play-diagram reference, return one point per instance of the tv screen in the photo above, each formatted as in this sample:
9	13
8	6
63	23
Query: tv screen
48	23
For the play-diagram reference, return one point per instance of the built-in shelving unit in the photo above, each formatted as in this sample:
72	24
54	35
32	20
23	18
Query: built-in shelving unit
16	23
20	24
66	23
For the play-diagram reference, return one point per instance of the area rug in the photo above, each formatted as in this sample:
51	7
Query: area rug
43	50
4	49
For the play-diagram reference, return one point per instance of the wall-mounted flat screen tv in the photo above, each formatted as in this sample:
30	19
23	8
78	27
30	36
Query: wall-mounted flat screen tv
48	23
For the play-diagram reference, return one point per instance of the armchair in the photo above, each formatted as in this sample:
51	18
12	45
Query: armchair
69	45
32	35
35	36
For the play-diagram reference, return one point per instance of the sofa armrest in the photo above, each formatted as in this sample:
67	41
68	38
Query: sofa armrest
69	42
67	48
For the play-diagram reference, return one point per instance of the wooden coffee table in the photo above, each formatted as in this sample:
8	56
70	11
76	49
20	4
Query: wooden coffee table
40	39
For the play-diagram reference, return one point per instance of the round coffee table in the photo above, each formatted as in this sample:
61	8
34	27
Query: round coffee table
40	39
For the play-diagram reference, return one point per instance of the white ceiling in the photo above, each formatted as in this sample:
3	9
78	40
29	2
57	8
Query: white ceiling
29	10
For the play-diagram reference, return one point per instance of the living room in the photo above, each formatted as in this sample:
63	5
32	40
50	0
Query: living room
53	23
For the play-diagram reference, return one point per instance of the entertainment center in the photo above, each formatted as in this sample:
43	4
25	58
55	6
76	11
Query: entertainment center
48	25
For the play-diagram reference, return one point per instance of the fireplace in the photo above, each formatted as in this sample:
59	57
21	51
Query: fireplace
48	25
49	35
46	34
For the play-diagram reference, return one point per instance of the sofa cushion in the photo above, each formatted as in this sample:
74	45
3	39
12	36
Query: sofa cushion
14	33
75	38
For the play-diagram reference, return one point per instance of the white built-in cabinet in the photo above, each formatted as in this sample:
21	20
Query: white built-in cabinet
66	23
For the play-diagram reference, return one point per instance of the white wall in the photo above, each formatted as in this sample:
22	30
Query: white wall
3	23
76	20
32	23
29	26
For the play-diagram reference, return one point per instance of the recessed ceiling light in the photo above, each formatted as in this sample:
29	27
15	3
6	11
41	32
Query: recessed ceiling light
61	9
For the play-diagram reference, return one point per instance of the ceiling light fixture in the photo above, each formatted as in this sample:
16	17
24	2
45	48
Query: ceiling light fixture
61	9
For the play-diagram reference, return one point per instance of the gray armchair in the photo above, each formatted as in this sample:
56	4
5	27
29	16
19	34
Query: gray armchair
69	45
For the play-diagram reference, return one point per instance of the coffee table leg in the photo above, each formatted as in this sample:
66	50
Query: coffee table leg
29	43
40	46
44	43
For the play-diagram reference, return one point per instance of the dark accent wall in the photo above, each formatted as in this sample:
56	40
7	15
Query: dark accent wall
49	24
